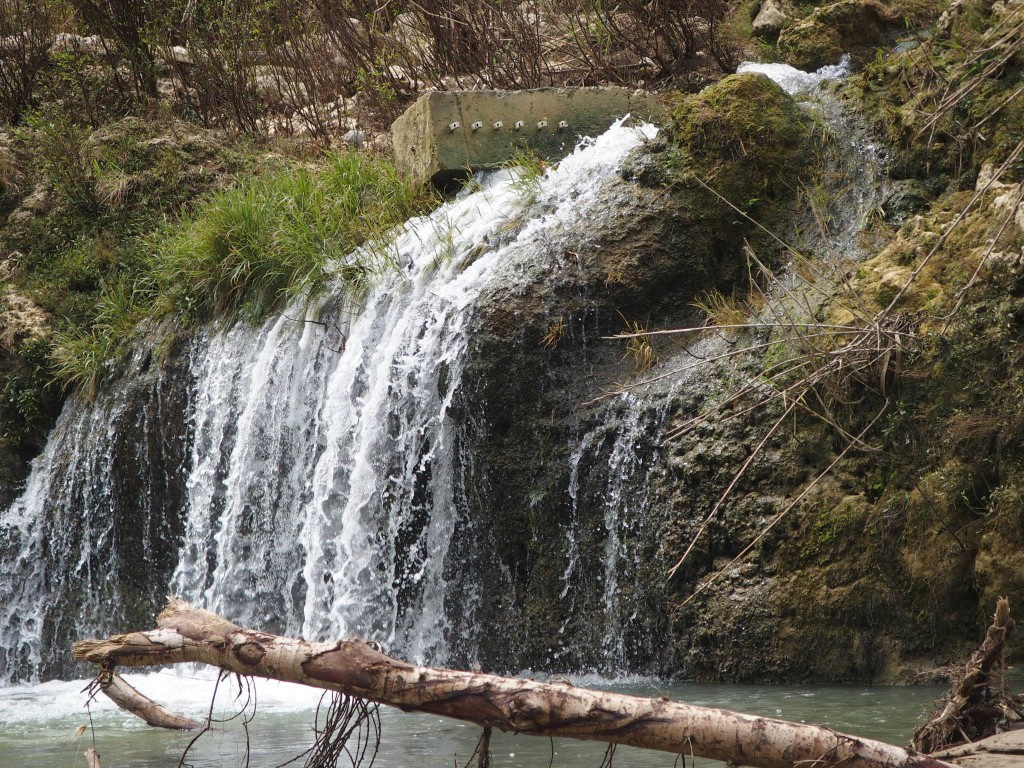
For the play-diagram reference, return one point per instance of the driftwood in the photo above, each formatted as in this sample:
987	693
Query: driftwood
1004	750
187	634
979	703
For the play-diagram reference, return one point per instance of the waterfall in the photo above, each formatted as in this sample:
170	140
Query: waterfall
307	475
99	512
302	476
611	464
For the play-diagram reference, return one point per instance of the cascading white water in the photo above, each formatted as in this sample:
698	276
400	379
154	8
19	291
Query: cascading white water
320	469
794	81
619	453
67	545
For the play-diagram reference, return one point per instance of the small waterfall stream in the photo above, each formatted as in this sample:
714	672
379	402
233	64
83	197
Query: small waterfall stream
306	476
313	457
611	464
619	454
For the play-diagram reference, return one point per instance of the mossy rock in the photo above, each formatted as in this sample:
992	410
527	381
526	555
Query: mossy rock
849	26
745	136
999	570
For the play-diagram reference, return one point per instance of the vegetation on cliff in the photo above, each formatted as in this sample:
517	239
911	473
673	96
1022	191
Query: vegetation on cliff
895	556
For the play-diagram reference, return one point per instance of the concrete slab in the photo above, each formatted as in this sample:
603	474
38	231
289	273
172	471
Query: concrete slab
446	133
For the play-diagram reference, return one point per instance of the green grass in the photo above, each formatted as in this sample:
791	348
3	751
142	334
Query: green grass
82	355
246	251
252	248
145	219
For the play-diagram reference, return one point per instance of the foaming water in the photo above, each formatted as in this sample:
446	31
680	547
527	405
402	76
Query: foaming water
794	81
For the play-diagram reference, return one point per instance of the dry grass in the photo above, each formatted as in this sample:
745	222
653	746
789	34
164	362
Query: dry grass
554	334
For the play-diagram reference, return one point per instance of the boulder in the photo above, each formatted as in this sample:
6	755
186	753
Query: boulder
848	26
770	19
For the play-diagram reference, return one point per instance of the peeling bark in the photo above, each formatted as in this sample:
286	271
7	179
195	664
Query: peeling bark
187	634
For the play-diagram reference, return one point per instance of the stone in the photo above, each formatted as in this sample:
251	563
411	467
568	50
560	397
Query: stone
904	199
177	55
355	137
89	45
988	179
770	19
21	318
446	133
847	26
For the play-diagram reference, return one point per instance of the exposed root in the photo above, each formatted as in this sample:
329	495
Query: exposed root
481	757
351	729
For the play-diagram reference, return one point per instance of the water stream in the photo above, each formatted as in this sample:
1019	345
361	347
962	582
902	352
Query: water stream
40	724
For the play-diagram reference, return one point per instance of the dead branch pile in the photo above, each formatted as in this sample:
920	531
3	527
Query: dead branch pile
979	703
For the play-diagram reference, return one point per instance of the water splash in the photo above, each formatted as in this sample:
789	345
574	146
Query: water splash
794	81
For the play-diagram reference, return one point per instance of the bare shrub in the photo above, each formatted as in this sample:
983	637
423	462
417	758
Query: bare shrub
493	43
367	54
312	79
660	40
217	81
123	24
27	28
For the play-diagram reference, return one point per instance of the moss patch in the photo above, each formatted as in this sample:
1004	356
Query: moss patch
745	137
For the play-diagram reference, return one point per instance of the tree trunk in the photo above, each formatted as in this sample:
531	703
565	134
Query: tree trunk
187	634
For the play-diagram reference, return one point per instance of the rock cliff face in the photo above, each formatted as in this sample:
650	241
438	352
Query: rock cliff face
108	570
539	437
883	572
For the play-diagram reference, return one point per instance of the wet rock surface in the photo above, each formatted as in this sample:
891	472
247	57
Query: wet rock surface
110	572
541	439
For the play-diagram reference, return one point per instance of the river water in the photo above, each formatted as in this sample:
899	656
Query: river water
40	724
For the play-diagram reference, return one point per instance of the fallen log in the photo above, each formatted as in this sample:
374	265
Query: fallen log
1004	750
188	634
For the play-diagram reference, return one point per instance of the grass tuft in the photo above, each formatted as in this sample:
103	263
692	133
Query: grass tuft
255	247
247	251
